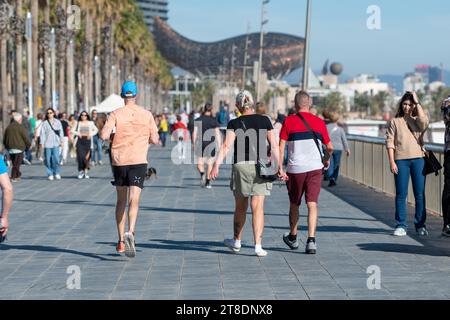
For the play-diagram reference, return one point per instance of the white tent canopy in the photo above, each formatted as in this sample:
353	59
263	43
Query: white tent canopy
110	104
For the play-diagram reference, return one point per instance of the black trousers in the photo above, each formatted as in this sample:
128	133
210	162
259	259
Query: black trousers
16	160
446	192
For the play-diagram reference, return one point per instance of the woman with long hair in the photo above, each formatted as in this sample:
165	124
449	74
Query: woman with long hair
51	139
404	143
83	133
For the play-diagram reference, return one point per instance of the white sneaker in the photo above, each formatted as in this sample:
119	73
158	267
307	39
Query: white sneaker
81	175
86	176
51	178
231	244
100	163
400	232
58	177
261	253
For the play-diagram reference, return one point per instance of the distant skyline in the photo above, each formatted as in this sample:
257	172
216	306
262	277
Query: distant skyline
412	31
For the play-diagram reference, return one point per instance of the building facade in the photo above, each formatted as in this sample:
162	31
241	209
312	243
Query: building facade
152	9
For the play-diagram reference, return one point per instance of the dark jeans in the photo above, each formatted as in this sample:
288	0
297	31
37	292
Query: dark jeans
446	192
407	168
16	160
335	163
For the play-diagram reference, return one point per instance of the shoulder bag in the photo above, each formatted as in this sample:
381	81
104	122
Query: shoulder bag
432	164
324	154
264	170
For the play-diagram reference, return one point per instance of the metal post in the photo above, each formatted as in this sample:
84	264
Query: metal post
29	35
261	49
53	67
244	72
307	44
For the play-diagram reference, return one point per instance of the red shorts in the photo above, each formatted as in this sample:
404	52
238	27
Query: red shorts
308	183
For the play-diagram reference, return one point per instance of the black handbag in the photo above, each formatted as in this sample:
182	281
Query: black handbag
324	154
432	164
264	170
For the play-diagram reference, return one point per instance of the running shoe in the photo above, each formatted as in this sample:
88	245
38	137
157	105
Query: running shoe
130	245
446	231
291	244
58	177
311	247
120	247
86	176
230	243
51	178
208	185
423	232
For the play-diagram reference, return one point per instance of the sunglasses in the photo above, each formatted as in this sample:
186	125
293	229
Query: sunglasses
84	115
407	104
49	112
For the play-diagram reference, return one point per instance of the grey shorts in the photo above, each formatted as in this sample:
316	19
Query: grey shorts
246	183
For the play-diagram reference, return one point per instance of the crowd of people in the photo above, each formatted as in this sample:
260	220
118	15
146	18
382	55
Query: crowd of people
301	149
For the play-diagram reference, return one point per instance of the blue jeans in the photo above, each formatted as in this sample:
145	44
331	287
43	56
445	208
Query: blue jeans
407	168
163	137
52	161
98	145
335	163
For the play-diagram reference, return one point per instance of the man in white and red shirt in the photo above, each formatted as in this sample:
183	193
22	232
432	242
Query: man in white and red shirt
305	165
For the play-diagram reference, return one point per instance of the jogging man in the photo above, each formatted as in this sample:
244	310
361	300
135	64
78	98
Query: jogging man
305	164
135	129
206	133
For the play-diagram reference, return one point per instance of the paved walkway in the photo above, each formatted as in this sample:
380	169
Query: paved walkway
181	227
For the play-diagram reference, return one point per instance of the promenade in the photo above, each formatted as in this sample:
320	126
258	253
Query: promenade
180	232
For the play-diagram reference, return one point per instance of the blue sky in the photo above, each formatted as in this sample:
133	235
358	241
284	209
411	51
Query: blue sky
412	31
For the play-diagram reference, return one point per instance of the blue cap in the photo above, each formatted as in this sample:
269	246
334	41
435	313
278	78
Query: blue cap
129	89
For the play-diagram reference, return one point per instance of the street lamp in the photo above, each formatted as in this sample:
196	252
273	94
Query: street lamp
307	44
261	48
28	35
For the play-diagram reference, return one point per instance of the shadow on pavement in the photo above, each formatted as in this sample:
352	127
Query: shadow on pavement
6	247
403	248
343	229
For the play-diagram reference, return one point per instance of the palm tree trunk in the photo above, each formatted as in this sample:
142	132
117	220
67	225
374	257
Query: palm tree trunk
19	46
62	70
89	52
3	86
35	53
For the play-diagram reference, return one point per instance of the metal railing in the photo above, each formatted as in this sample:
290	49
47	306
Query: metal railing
368	164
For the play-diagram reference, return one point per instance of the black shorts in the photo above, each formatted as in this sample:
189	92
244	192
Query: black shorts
127	176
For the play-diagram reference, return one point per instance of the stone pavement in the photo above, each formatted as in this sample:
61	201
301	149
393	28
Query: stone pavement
55	225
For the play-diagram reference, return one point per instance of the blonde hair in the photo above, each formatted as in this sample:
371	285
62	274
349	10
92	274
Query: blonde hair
334	117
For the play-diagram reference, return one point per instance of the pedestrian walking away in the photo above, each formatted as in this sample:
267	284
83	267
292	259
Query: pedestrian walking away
206	140
51	134
306	135
7	200
340	145
404	143
180	134
97	143
16	140
247	133
83	133
135	129
65	140
445	107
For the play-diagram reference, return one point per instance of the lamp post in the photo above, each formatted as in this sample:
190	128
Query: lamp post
29	35
53	67
261	48
307	44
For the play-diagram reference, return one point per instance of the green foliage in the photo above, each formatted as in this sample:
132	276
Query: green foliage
333	102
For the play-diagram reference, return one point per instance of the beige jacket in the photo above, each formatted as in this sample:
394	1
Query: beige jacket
404	142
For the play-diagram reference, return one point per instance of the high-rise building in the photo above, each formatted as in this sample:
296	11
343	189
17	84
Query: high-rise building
154	8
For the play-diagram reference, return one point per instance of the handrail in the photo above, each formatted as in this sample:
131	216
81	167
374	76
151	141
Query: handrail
435	147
